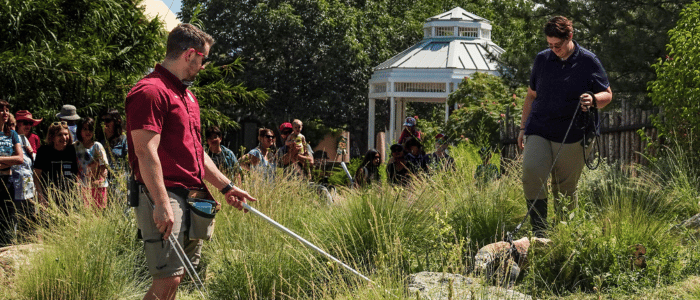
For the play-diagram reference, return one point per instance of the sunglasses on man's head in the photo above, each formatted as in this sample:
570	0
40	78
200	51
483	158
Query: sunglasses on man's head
59	123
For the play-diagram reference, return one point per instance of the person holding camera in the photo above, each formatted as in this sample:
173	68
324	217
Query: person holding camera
565	80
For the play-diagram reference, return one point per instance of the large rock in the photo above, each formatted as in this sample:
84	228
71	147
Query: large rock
12	258
438	286
498	264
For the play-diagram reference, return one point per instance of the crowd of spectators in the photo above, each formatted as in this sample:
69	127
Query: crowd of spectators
69	157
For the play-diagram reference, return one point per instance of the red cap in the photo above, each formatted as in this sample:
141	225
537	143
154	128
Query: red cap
285	125
439	136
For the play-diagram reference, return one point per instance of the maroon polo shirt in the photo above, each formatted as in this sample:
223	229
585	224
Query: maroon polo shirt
162	104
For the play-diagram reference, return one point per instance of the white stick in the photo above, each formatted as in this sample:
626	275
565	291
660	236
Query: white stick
345	168
303	241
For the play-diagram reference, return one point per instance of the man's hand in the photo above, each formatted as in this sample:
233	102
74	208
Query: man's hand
164	219
236	197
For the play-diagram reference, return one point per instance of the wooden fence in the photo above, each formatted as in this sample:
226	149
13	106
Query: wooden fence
620	138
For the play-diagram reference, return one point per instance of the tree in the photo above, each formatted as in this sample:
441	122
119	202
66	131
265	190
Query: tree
86	53
484	99
677	85
314	58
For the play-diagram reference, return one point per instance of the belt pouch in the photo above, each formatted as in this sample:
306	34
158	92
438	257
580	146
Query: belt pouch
201	221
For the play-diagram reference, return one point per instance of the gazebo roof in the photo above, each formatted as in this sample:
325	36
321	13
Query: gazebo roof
457	13
438	53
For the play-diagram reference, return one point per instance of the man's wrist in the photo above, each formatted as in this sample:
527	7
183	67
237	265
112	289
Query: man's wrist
227	188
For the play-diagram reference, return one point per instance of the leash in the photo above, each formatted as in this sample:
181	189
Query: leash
591	133
509	235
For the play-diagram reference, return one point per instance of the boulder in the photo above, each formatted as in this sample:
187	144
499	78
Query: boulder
12	258
497	263
439	286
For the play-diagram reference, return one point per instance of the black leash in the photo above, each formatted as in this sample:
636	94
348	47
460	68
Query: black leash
509	235
591	132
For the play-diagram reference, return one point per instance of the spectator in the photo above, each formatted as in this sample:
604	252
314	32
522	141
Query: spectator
114	140
224	159
440	159
69	115
25	123
415	156
92	167
56	164
289	156
396	170
22	179
10	155
409	131
368	172
486	171
296	136
259	157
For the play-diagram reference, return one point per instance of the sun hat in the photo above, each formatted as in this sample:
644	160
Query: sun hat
410	121
68	112
25	115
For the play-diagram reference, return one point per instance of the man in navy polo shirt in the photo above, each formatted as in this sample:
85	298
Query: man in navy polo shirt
564	78
167	156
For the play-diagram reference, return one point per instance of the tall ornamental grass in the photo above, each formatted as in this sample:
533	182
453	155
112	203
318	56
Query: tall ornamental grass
436	223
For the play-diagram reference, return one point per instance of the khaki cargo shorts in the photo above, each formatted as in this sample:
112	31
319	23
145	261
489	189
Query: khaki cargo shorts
161	257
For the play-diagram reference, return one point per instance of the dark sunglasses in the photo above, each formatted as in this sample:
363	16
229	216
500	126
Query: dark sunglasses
270	136
107	120
25	123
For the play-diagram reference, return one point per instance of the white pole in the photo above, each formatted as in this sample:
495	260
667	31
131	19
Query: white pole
370	124
303	241
345	168
392	120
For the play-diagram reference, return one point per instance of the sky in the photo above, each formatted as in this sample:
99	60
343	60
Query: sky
176	4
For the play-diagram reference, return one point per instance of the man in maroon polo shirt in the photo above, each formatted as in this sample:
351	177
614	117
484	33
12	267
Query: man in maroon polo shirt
167	156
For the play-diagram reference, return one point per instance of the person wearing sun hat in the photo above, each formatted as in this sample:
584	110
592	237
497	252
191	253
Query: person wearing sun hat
25	122
410	131
69	115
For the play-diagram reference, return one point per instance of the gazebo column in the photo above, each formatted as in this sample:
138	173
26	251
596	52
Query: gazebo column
392	120
447	111
370	125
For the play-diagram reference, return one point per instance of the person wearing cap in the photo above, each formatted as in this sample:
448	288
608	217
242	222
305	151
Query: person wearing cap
409	131
440	159
396	170
69	115
25	123
290	156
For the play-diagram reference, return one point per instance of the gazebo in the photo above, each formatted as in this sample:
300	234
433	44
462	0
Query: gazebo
455	44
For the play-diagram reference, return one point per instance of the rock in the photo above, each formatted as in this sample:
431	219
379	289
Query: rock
495	262
438	286
12	258
692	223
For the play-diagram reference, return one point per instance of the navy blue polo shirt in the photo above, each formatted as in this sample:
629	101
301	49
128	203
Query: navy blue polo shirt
559	85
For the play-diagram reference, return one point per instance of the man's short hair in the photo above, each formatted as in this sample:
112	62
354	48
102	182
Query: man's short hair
185	36
212	131
559	27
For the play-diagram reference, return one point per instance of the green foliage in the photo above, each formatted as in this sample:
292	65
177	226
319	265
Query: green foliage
485	99
86	53
678	82
436	223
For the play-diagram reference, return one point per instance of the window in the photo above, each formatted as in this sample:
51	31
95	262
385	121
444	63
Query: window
468	31
444	31
420	87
